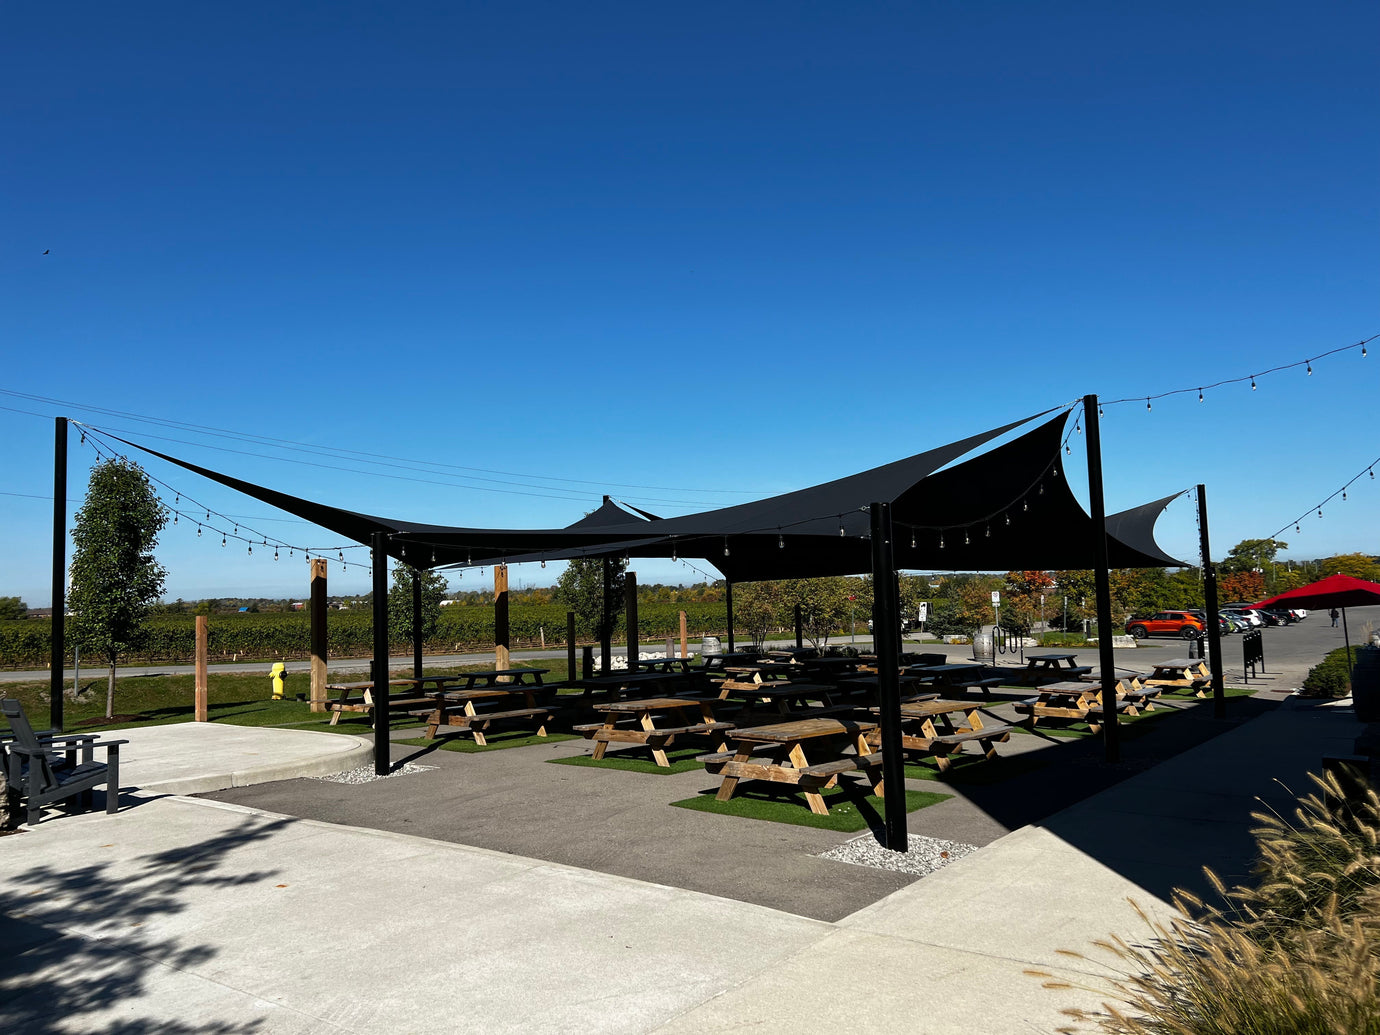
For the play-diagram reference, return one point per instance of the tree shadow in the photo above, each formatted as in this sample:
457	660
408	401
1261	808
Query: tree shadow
75	939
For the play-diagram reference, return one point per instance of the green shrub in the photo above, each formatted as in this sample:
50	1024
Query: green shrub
1330	677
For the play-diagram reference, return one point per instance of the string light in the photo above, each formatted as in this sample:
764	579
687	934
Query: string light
988	533
725	546
251	549
275	553
198	530
941	540
1253	382
1077	426
840	524
965	537
1147	405
1310	368
912	539
222	539
1200	395
780	540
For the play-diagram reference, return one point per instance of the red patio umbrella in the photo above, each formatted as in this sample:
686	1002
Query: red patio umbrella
1338	590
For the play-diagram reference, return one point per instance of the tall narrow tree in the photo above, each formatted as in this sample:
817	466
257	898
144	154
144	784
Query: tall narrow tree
115	578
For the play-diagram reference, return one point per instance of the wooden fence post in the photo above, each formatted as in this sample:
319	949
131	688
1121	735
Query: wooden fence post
201	692
684	646
502	656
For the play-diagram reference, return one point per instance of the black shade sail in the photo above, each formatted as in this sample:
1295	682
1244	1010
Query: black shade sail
1006	509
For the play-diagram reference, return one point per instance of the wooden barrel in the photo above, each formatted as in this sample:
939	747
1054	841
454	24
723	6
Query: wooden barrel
1365	684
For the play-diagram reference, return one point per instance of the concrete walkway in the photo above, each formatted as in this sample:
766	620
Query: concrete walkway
188	915
198	757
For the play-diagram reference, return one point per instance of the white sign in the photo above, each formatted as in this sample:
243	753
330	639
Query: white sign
996	597
924	610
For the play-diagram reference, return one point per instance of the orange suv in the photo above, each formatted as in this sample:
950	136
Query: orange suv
1166	623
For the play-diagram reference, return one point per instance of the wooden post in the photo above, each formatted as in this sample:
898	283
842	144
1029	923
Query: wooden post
570	646
630	619
502	656
684	644
319	639
200	702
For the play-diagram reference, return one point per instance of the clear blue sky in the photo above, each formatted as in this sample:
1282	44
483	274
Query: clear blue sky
720	249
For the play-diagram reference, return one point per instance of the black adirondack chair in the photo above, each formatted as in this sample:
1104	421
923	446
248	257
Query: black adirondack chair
44	768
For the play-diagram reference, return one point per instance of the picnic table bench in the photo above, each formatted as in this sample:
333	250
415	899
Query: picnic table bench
781	747
635	722
612	687
784	695
956	676
920	734
1181	674
411	698
1053	666
1074	699
511	701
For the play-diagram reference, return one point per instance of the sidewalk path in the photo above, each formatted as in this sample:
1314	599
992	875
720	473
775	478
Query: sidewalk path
183	915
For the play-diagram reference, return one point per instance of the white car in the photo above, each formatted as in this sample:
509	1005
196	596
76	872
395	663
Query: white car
1251	615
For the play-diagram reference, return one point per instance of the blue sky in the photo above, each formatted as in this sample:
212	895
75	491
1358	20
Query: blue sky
694	253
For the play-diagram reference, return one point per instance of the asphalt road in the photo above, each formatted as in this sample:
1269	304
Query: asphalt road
1294	647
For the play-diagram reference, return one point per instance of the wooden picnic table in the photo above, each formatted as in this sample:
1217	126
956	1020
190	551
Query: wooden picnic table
955	676
613	687
503	702
1181	674
920	735
635	722
664	664
764	670
783	746
783	694
1075	699
359	696
1055	665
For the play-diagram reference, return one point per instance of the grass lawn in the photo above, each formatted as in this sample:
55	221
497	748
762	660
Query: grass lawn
239	698
638	759
497	741
851	808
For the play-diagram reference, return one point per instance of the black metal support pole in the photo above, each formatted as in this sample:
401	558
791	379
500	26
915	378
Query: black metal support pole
886	639
1346	638
416	623
799	628
1214	632
630	619
606	621
1111	729
728	597
570	646
58	658
379	554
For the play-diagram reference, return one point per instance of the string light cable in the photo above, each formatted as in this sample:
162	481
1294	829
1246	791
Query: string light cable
1199	390
1367	472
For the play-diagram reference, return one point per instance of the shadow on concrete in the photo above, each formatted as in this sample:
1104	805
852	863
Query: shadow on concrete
74	939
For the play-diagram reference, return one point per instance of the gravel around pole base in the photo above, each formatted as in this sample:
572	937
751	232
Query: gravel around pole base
366	774
926	854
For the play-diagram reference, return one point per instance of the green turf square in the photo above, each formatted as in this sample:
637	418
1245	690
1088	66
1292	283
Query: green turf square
638	759
497	741
851	808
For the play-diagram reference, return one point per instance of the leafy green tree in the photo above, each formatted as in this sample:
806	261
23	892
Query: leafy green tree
1357	565
1251	555
581	589
115	578
12	609
757	610
823	605
434	589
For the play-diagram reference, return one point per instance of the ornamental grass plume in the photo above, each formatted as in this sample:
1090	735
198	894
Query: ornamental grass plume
1295	952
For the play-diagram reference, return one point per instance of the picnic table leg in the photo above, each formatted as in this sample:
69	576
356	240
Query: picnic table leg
730	783
658	753
600	746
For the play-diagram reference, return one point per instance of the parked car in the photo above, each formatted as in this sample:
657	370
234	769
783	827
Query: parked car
1239	622
1224	625
1166	623
1273	617
1250	614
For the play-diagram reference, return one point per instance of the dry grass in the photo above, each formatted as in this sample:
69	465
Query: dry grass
1296	951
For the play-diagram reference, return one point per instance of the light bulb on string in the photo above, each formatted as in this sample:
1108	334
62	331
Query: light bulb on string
433	558
1253	382
912	539
1077	426
198	530
780	540
251	549
1200	395
966	540
1320	512
673	552
1067	450
543	562
988	533
1099	410
1343	494
725	546
178	498
1008	518
275	553
222	539
1296	527
174	517
237	529
1372	472
1147	405
1363	352
208	515
1310	368
941	540
841	524
1025	506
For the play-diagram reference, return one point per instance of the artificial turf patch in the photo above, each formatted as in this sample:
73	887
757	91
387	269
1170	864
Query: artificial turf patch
638	759
850	807
464	742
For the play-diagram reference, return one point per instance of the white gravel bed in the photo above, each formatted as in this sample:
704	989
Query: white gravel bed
926	854
366	774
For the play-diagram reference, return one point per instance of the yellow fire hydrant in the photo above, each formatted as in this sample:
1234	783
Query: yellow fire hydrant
276	673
